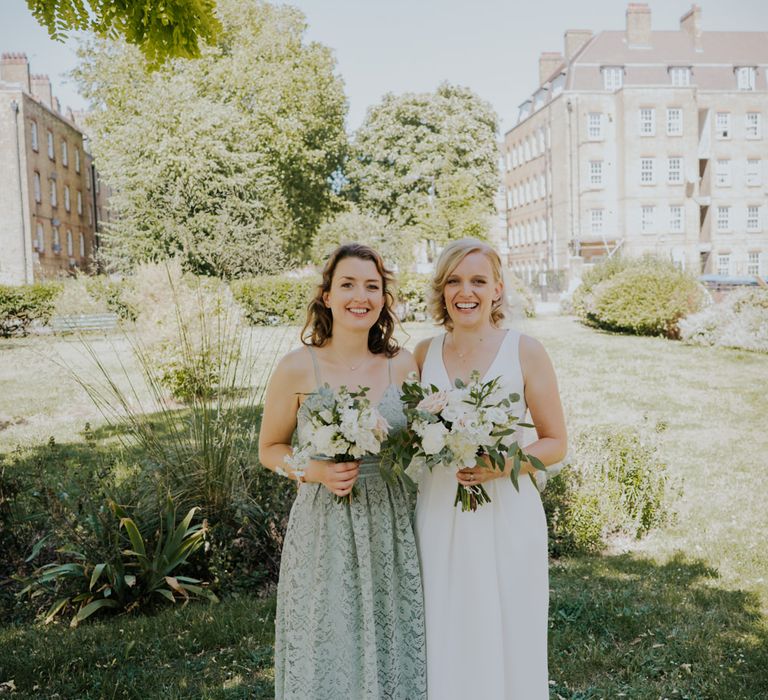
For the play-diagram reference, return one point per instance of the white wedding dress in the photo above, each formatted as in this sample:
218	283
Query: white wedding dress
485	573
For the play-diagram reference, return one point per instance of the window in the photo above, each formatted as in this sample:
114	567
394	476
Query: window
754	174
527	190
674	121
33	136
82	244
54	199
681	77
595	126
70	245
67	203
51	151
40	239
753	219
676	218
596	221
80	202
542	143
535	188
526	150
753	263
723	173
56	240
675	170
647	218
509	199
723	219
647	175
752	125
647	121
542	185
724	265
613	77
723	125
97	181
37	187
596	173
745	78
77	160
534	147
64	154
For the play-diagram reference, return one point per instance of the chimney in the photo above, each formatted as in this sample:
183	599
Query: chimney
14	68
574	40
691	22
548	62
41	89
638	24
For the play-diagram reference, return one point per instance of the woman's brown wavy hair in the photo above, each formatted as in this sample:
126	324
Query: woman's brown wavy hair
318	327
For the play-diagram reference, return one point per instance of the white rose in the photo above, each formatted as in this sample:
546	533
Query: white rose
433	438
322	439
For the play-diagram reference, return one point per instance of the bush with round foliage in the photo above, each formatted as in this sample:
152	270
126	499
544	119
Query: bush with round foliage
20	306
274	300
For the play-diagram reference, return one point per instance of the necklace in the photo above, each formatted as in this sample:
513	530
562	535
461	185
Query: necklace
351	368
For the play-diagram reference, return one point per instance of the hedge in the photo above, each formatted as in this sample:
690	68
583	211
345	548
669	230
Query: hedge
19	306
269	301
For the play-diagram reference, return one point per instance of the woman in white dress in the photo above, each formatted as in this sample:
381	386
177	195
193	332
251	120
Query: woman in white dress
485	573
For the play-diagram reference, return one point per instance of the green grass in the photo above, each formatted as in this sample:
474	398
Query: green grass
680	614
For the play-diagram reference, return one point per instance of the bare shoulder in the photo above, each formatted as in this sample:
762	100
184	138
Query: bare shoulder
533	354
403	364
420	352
294	371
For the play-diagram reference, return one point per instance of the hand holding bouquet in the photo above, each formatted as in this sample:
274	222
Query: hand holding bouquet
466	426
343	427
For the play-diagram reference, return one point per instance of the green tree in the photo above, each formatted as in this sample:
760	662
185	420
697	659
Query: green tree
417	156
225	160
162	30
376	231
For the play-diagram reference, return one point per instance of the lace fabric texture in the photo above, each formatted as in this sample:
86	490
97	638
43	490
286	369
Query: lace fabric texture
350	612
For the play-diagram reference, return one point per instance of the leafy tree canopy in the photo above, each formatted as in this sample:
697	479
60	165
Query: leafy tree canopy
162	29
226	160
427	160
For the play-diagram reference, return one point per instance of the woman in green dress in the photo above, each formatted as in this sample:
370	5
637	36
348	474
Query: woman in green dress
350	615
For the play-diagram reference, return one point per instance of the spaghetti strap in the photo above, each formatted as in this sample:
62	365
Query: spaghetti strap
389	368
315	364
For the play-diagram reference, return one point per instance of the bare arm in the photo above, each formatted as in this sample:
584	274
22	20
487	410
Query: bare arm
420	353
289	380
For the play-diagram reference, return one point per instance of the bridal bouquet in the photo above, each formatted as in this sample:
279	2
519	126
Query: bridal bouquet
458	427
343	427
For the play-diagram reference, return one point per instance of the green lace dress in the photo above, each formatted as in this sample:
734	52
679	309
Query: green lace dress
350	613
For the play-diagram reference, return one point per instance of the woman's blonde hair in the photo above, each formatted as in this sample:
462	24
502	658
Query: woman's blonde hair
449	259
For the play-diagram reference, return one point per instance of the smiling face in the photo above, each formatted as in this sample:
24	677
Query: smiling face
470	290
356	296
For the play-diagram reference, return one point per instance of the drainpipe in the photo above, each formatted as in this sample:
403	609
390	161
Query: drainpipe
15	110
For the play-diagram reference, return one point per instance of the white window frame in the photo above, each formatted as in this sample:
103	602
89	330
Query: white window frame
67	200
675	170
77	160
676	218
674	121
82	244
723	172
596	173
646	121
745	77
54	193
723	220
680	76
754	172
724	264
753	262
51	149
56	240
648	218
37	187
613	77
596	221
64	154
723	125
595	126
40	238
33	136
648	171
753	218
79	202
753	126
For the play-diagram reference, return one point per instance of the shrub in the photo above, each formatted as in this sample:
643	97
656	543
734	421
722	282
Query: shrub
279	299
412	296
112	293
739	321
600	272
519	296
19	306
644	296
618	484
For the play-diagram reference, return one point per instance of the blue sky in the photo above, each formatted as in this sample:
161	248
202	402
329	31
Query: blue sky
491	46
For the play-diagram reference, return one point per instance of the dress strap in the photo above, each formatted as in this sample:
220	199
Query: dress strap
389	368
315	364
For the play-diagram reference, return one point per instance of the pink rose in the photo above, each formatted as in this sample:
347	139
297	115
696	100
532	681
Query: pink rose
434	403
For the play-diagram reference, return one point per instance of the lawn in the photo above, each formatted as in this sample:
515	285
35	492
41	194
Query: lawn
680	614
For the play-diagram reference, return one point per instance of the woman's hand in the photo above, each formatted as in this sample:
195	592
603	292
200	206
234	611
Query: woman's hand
471	476
337	477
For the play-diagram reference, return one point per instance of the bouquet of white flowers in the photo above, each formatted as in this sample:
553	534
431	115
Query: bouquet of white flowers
343	427
458	427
